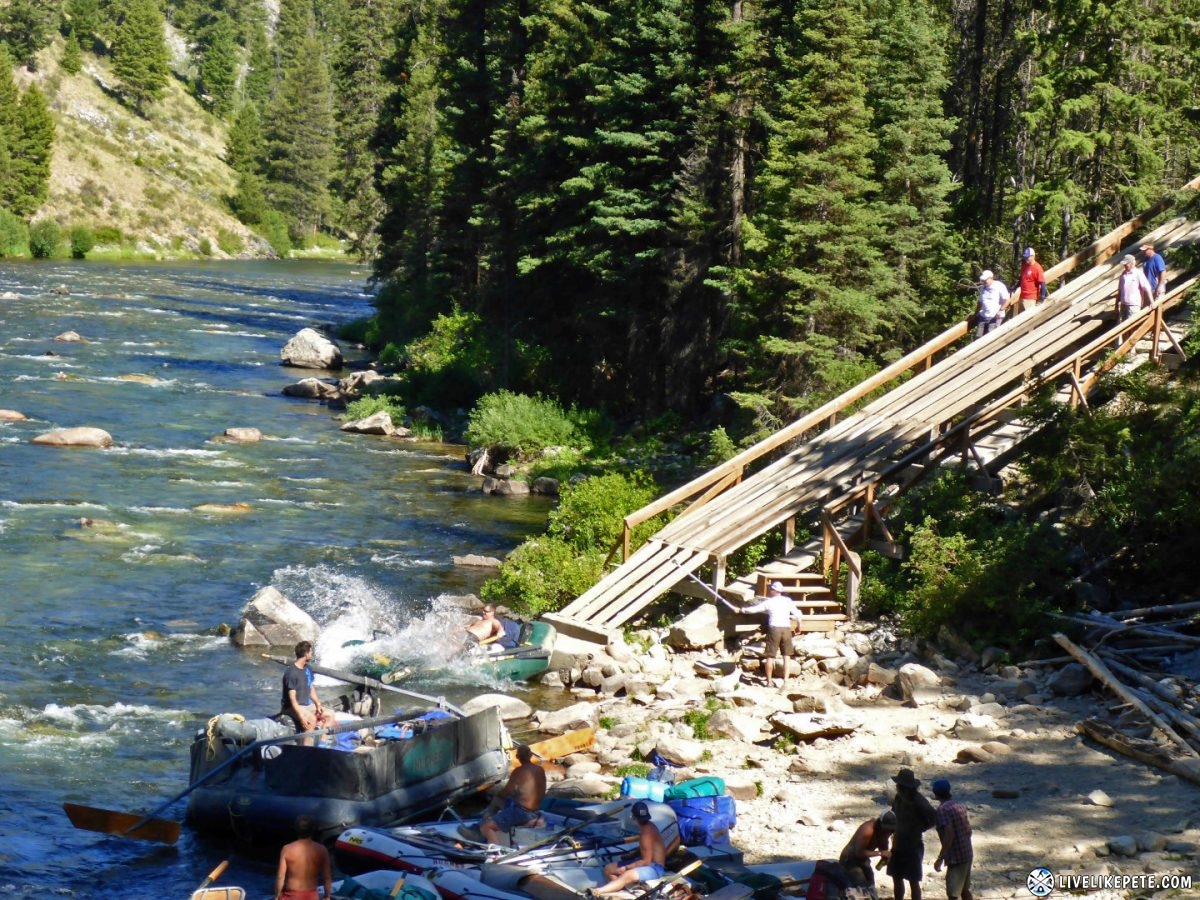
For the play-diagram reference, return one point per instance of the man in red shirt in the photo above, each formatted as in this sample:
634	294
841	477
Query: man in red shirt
1033	281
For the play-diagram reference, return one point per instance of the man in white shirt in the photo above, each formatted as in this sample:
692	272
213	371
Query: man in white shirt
993	299
780	612
1133	289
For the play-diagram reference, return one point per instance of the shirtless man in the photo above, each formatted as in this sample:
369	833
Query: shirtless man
522	797
650	864
302	864
486	629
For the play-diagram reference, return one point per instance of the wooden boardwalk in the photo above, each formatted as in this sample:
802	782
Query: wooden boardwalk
846	476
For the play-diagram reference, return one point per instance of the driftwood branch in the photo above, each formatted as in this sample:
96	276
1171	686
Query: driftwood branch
1164	610
1143	751
1101	671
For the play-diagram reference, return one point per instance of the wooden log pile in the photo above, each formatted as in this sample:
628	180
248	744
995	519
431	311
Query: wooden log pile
1159	712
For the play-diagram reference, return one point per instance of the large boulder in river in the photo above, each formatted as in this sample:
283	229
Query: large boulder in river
312	389
309	349
271	620
75	437
12	415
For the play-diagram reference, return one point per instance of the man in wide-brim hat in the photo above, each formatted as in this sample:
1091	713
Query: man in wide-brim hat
914	815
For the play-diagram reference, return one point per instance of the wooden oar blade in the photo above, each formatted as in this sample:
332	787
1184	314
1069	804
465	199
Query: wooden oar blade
107	821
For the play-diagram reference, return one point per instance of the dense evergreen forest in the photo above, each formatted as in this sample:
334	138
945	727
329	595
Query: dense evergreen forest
645	204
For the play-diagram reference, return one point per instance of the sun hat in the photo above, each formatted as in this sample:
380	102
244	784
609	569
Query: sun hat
906	778
777	586
640	812
1028	253
985	276
1128	260
941	788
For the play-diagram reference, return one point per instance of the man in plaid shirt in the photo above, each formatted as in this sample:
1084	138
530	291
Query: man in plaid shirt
954	828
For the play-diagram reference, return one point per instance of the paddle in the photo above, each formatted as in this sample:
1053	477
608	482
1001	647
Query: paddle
128	825
368	682
604	816
214	874
670	879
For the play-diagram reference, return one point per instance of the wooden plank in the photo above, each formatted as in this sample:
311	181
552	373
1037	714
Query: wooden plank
560	745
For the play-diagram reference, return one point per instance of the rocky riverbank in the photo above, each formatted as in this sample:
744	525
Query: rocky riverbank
1039	794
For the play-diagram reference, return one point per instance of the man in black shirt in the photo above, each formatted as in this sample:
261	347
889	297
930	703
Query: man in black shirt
300	702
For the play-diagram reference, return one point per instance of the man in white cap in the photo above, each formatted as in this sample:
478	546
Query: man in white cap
993	300
780	612
1133	290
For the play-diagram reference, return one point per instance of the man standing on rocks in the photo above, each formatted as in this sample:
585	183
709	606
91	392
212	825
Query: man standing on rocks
914	816
954	829
780	612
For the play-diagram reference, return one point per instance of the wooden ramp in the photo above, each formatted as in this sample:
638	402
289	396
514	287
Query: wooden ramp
846	476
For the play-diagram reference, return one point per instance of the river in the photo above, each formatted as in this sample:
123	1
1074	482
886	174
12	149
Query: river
109	654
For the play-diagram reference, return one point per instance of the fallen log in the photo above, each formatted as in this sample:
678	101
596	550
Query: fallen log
1164	610
1101	671
1143	751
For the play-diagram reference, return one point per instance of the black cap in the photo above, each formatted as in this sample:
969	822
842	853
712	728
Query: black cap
641	812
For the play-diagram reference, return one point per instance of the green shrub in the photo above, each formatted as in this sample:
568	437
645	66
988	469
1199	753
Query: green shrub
520	424
542	575
14	235
229	243
108	235
356	330
633	770
82	241
205	247
448	366
45	239
391	356
430	432
591	513
720	447
368	406
274	228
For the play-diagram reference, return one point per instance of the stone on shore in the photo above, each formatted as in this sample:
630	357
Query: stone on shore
75	437
511	708
312	389
376	423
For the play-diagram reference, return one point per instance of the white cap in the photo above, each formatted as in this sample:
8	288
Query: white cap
1128	260
777	586
986	275
1028	254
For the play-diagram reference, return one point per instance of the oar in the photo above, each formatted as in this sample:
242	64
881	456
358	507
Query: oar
368	682
148	827
604	816
670	879
214	874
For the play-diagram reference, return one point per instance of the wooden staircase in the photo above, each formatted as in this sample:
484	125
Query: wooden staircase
846	473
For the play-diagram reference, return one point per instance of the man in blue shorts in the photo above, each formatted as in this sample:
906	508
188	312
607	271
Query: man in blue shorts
651	862
522	797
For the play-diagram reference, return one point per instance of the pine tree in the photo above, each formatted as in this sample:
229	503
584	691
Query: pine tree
218	63
814	284
140	53
299	142
907	85
362	92
295	25
72	58
244	150
10	130
26	26
260	71
31	157
84	17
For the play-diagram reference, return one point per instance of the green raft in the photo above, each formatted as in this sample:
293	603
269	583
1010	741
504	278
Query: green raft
530	658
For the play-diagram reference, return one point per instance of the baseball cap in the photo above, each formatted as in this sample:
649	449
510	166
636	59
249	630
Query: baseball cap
1028	252
941	786
640	812
986	275
777	586
1128	259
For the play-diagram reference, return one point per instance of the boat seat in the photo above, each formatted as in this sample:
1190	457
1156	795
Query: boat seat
523	836
220	893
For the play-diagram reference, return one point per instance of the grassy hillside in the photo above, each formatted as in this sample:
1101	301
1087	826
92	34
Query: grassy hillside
149	187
